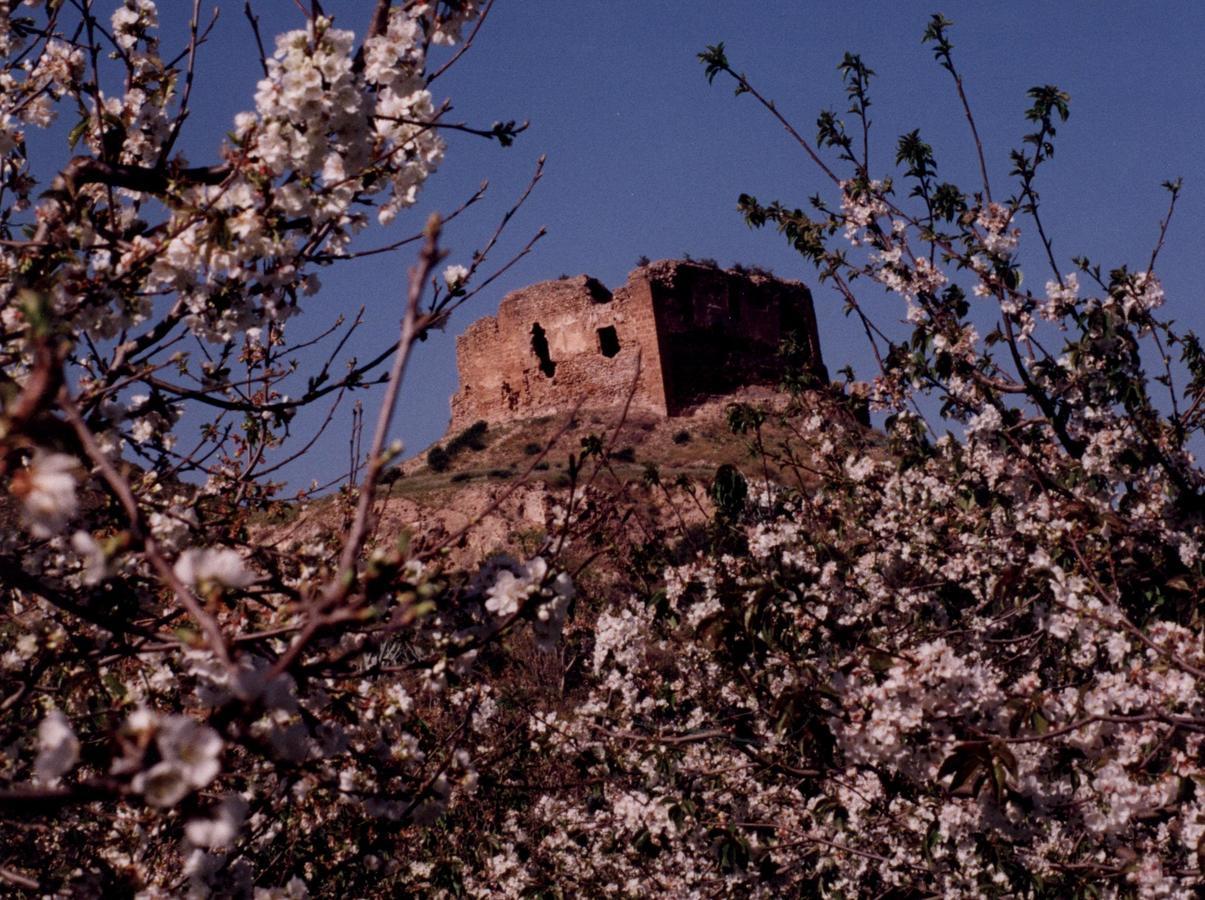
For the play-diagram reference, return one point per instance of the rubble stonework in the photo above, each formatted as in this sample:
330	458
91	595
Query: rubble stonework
690	330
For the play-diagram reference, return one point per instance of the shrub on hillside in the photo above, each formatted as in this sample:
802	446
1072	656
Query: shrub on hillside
439	459
471	438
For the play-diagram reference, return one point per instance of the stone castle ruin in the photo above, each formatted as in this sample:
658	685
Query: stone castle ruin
690	330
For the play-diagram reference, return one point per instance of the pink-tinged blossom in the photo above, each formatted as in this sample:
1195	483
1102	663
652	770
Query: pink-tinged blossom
1144	295
998	239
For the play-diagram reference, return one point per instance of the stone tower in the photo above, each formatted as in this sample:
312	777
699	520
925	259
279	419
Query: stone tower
683	331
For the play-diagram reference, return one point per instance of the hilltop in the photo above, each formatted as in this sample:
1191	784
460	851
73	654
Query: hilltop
643	374
510	481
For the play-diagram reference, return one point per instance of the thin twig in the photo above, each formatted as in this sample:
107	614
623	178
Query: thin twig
141	533
259	40
18	879
345	579
468	42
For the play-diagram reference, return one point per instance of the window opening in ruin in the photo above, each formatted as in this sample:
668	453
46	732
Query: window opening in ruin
608	341
539	346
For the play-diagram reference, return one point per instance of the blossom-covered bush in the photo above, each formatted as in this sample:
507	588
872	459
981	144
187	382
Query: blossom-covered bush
191	702
959	655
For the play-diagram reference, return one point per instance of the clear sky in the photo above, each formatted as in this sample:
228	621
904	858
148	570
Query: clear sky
644	158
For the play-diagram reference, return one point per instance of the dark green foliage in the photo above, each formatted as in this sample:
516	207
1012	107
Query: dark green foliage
504	132
438	459
729	492
743	418
798	372
592	445
472	438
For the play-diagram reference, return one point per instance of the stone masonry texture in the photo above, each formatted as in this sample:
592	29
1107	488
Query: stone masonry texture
680	331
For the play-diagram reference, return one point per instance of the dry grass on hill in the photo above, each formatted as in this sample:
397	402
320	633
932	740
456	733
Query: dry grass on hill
505	489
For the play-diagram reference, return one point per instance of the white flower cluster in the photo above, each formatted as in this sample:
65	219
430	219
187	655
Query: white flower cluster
1061	300
216	566
328	137
132	20
879	676
520	585
455	276
1143	295
316	114
998	238
189	756
47	491
862	207
58	747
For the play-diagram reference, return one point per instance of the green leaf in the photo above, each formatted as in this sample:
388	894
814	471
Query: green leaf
74	135
715	60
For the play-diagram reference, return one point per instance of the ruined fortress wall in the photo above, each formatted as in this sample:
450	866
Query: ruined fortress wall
690	330
722	329
593	343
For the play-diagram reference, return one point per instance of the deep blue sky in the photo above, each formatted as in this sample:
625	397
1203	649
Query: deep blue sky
645	158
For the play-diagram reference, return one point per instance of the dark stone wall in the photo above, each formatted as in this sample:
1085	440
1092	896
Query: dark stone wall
721	329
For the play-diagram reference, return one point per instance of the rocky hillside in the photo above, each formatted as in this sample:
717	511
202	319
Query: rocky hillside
505	487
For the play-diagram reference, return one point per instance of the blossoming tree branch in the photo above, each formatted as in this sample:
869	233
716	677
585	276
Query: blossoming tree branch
958	654
138	287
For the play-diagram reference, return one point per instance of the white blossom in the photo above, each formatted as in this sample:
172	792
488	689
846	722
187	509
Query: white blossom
223	828
47	489
95	562
190	759
58	747
454	276
213	565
